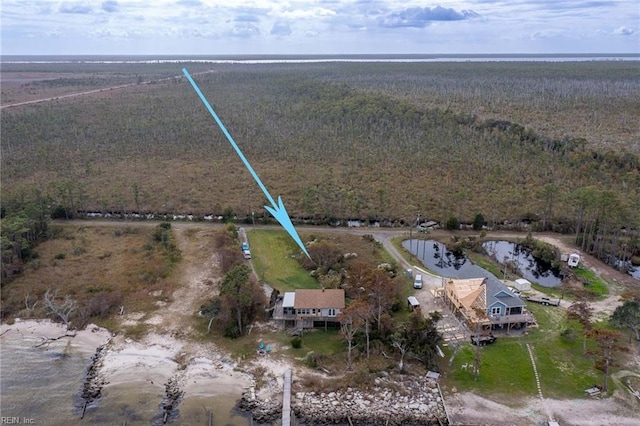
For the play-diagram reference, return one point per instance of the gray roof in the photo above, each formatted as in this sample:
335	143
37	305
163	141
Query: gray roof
497	291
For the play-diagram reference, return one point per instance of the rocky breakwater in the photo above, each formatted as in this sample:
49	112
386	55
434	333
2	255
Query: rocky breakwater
267	410
393	400
93	382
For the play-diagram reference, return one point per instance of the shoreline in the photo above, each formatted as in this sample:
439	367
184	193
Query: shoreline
154	375
190	382
48	333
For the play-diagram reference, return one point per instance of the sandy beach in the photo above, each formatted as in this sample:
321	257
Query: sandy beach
141	368
39	332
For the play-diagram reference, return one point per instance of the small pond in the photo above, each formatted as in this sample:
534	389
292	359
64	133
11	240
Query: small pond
634	271
506	252
435	256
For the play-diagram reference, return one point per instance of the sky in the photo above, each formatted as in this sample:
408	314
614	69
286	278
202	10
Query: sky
246	27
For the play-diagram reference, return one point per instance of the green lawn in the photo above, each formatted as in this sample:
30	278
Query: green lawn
323	342
271	253
505	368
595	285
564	371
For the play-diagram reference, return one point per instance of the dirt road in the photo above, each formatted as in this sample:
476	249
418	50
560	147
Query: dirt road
95	91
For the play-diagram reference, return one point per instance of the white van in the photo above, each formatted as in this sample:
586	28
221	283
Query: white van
417	283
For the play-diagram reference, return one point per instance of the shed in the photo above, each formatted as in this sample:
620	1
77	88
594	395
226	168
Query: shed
413	303
522	284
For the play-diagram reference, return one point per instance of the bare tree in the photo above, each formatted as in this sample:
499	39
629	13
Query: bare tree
365	312
29	303
400	341
350	323
62	309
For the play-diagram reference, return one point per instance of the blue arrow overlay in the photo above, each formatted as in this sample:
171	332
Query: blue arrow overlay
277	210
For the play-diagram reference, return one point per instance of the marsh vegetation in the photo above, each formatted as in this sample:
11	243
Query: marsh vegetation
549	146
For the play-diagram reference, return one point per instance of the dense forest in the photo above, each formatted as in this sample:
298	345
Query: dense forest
554	146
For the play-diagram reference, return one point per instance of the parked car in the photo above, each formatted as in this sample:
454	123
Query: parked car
417	283
515	291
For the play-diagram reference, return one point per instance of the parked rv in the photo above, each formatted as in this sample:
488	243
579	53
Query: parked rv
574	260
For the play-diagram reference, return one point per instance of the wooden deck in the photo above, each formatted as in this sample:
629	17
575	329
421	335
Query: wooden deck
526	317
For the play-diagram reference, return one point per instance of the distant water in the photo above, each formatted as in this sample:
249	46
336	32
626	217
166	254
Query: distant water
302	59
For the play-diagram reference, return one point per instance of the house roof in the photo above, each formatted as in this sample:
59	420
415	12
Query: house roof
469	290
482	293
497	291
319	299
468	294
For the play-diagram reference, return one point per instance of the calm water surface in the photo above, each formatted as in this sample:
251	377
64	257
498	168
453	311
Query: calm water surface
435	256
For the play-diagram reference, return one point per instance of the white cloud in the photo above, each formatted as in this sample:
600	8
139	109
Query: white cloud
75	7
623	31
245	30
281	29
322	26
311	13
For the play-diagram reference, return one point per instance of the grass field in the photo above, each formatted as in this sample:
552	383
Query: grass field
272	253
87	262
506	368
594	284
319	341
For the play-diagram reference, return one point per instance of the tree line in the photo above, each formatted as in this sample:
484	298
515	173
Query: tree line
342	141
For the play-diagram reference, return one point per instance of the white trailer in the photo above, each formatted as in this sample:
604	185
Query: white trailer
574	260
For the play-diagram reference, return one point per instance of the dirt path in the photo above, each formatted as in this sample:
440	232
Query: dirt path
199	279
96	91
